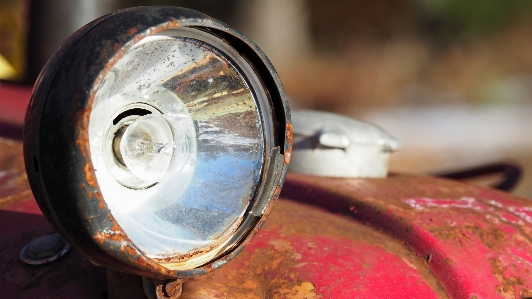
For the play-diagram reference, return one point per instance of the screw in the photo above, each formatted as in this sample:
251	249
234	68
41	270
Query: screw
44	250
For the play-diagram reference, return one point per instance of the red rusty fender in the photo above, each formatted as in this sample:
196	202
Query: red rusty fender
399	237
301	252
461	240
305	252
476	241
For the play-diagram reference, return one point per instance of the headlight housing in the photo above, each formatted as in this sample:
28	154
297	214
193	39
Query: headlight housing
157	140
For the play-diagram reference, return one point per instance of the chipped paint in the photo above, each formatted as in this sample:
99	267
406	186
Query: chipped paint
524	213
509	287
462	202
498	211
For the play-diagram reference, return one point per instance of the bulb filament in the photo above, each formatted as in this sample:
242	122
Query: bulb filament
143	146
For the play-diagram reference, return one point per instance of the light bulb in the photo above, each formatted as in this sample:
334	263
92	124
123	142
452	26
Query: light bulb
147	147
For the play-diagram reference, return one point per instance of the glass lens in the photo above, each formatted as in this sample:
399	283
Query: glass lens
176	141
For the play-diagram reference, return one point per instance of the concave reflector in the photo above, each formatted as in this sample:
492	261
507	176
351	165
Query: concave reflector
185	172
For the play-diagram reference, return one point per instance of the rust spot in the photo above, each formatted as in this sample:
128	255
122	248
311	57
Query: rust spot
491	237
135	256
81	142
179	257
255	276
168	289
109	235
100	200
448	262
507	288
209	268
99	237
277	191
131	250
89	175
288	151
526	294
146	263
116	47
172	24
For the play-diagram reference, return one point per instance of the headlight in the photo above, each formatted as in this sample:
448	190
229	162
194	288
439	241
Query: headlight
156	140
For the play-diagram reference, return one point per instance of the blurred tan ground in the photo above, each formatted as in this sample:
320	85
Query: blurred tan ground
456	99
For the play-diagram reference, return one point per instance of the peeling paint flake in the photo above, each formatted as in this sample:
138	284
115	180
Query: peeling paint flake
462	202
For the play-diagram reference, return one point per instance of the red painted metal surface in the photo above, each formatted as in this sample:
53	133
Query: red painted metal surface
398	237
394	238
305	252
13	102
476	240
72	276
14	186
